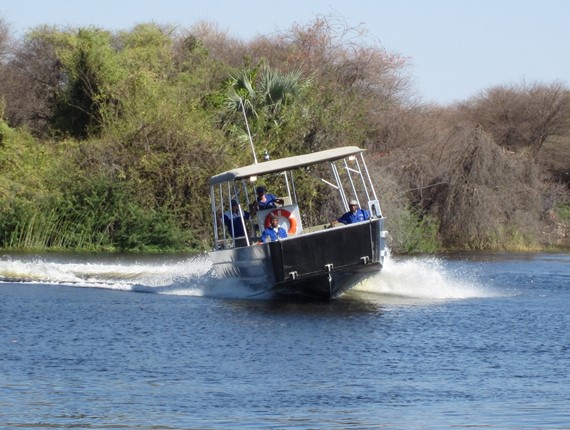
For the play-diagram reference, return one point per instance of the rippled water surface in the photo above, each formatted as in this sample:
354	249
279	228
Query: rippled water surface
466	341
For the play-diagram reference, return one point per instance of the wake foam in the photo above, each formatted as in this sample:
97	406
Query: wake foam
421	279
426	278
183	277
122	275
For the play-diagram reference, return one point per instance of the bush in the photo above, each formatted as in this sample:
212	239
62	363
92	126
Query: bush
563	211
413	233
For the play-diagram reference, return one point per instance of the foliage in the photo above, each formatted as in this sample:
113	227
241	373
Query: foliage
412	232
88	70
564	211
108	139
410	229
109	218
95	216
256	107
522	116
55	206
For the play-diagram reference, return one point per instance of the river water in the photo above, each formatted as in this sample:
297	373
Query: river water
463	341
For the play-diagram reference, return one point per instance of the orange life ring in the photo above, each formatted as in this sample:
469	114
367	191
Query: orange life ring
283	213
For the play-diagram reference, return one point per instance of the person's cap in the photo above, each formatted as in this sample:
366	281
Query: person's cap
234	203
260	189
353	202
274	217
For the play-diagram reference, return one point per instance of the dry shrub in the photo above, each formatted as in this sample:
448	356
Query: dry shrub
220	45
28	81
402	143
521	117
482	195
5	39
491	196
342	56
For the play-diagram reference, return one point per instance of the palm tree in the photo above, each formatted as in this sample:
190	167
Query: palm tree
262	98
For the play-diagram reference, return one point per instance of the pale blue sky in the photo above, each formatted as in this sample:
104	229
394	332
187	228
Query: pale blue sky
456	48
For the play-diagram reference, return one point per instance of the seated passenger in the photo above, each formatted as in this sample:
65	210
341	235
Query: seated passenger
273	232
355	214
234	217
265	200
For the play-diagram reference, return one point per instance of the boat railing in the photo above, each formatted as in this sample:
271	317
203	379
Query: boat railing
228	243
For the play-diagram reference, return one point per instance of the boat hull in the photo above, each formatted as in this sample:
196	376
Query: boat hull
321	264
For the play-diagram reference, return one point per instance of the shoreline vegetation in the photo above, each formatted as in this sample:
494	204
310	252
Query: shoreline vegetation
108	138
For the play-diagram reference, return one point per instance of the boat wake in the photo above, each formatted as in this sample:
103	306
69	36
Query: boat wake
423	279
123	275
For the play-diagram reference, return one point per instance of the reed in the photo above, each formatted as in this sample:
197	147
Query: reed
88	219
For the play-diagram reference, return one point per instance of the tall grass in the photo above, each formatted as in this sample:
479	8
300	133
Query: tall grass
96	216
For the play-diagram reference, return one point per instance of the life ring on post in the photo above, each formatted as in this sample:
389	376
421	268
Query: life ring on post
283	213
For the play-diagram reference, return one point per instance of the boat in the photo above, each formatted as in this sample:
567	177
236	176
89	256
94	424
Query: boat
319	258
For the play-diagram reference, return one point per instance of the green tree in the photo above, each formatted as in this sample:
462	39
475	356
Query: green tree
162	133
89	71
262	95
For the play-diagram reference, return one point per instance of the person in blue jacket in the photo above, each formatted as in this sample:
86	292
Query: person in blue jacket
234	217
355	214
273	232
266	200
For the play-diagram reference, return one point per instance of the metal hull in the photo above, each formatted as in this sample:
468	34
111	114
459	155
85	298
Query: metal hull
321	264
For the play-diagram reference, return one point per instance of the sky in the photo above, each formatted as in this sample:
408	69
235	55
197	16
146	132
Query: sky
456	49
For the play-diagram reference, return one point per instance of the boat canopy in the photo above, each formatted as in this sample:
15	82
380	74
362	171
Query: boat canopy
283	164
